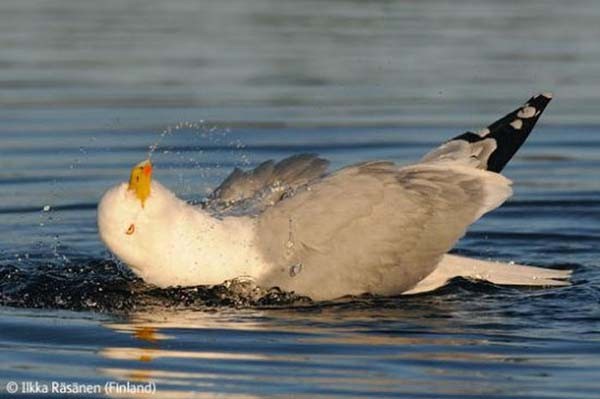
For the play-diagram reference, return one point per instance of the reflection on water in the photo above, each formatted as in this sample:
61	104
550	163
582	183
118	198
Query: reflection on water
316	357
467	339
331	351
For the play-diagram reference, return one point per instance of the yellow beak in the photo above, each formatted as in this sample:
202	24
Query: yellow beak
140	180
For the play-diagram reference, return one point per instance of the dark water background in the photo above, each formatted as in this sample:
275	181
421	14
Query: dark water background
86	87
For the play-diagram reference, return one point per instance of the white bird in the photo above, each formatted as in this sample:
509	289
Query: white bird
373	227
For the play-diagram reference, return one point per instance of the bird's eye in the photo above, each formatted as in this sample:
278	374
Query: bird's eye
130	230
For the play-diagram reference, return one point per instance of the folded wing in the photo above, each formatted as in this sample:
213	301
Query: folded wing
373	227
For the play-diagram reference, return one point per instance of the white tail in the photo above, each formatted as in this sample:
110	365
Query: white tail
498	273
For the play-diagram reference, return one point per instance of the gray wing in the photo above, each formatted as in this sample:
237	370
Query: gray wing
254	190
373	227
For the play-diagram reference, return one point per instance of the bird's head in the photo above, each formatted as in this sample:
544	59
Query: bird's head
146	226
141	180
123	213
128	212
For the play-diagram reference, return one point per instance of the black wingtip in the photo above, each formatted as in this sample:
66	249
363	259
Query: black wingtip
510	131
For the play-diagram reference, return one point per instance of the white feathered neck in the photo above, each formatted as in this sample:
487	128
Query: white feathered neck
174	243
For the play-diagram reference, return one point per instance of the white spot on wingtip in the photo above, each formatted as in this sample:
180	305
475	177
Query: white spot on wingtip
526	112
547	94
517	124
483	132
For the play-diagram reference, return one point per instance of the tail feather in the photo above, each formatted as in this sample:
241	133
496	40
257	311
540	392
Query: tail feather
452	266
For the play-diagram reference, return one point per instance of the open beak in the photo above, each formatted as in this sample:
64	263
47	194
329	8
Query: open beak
140	180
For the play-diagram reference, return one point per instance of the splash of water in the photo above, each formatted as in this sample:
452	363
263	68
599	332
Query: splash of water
62	281
169	130
201	132
104	286
152	147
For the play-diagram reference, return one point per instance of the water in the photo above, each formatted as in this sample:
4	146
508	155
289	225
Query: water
86	87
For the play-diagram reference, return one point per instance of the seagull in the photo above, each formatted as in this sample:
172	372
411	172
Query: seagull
372	227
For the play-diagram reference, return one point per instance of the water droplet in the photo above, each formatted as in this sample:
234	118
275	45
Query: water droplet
290	241
295	269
